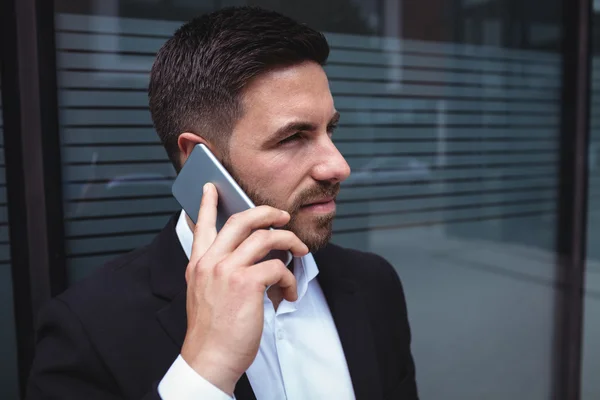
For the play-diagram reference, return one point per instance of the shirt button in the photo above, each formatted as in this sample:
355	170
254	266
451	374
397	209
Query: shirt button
279	334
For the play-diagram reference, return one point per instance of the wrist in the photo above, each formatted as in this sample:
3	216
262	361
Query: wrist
213	368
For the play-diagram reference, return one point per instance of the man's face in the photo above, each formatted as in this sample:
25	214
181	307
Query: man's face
281	152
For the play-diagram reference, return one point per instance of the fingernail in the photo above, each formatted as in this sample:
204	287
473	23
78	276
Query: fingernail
205	188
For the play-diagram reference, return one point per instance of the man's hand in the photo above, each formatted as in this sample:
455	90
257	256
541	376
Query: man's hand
225	288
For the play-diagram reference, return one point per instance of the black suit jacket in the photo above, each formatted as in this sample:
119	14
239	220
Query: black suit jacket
115	334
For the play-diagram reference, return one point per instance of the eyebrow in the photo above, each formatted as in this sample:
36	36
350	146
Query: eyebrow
296	126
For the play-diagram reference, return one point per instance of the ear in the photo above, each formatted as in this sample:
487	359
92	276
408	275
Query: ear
186	143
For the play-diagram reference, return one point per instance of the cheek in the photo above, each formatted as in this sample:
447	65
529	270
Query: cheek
268	180
281	181
278	176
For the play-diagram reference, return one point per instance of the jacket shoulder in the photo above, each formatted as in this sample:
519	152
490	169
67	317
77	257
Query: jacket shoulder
117	285
363	264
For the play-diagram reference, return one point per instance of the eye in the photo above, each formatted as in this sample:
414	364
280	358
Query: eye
292	138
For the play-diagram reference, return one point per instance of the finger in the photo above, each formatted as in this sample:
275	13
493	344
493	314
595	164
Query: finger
205	230
261	242
273	272
241	225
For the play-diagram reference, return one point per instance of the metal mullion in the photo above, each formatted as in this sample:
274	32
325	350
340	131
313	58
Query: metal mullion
32	154
573	191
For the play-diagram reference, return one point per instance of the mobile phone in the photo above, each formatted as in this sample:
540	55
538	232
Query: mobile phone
202	167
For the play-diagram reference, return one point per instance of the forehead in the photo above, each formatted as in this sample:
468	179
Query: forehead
288	93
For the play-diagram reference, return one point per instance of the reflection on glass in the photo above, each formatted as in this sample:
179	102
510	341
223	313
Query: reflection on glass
449	122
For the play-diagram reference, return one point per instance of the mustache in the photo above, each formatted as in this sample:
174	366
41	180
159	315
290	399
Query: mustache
311	195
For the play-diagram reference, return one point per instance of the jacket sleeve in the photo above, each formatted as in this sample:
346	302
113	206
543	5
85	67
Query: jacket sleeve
66	364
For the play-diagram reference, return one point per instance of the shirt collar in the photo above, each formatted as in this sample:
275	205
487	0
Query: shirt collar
185	234
305	268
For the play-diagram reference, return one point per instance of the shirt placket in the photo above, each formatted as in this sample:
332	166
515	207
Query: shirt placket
271	327
285	348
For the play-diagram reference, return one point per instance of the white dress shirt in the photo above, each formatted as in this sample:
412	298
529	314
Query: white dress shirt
300	355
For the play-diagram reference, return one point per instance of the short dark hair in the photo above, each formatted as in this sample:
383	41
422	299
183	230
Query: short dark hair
199	74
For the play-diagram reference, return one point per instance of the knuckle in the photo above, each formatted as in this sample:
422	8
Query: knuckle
234	219
278	265
269	212
199	269
219	269
265	208
195	270
260	235
237	280
290	236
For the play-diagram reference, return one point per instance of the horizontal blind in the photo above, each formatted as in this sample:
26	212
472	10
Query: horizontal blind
435	133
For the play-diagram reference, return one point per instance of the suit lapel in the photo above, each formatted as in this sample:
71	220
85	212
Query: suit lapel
168	282
348	308
173	319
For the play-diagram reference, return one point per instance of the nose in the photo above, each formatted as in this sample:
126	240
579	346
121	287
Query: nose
331	165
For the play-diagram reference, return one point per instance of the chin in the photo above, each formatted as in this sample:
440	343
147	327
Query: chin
314	234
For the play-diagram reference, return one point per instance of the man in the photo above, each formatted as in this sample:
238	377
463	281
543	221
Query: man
190	316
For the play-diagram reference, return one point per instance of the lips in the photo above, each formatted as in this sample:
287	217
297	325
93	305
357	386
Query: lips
319	201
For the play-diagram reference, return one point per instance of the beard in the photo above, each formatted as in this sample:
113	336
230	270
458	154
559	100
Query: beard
314	231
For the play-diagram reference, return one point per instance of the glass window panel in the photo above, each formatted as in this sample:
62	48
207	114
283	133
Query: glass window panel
450	122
